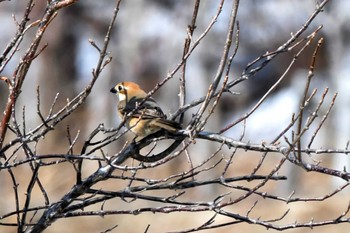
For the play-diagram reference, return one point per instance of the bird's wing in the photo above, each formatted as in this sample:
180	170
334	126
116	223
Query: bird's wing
166	124
149	109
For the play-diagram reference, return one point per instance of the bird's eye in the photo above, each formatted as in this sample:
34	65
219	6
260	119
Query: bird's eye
120	88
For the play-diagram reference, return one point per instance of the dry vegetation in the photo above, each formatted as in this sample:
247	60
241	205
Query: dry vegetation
63	169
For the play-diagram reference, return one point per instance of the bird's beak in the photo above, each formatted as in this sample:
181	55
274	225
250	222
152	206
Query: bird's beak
113	90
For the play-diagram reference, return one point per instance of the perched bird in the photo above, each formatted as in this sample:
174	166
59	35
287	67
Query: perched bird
147	117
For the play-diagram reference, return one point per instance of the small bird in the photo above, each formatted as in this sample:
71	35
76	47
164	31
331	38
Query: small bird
147	117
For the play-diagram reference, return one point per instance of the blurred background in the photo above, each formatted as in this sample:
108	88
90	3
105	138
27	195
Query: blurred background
146	44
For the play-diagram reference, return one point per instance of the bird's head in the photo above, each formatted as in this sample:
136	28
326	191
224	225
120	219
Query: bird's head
127	90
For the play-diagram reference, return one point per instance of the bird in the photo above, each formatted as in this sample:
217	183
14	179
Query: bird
146	115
